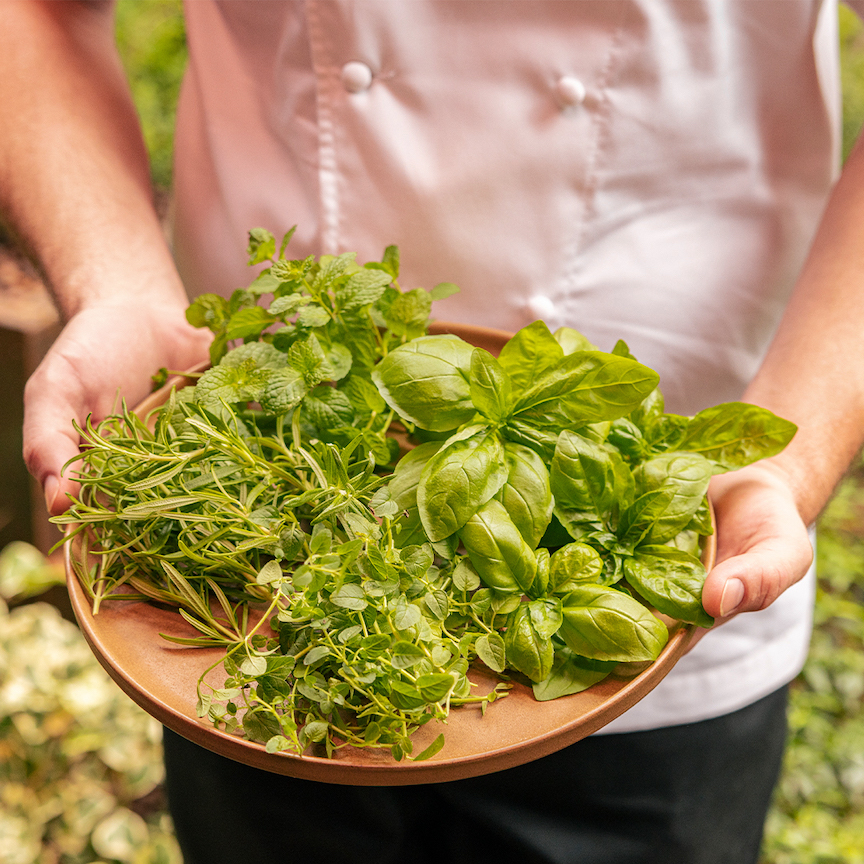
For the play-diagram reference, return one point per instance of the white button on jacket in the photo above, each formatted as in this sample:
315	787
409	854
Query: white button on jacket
570	91
356	77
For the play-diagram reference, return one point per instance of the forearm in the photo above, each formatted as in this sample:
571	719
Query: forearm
814	371
74	177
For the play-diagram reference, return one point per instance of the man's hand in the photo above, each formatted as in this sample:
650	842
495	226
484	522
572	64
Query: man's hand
762	542
105	353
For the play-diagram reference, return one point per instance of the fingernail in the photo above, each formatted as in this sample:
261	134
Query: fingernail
730	599
52	487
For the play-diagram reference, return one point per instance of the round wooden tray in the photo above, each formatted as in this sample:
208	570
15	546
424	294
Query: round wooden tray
161	677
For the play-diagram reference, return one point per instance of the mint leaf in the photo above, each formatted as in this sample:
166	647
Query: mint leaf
261	247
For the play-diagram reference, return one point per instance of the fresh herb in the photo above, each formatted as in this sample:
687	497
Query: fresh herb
353	584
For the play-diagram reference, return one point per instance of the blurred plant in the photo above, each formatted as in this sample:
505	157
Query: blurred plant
151	38
818	814
852	75
80	764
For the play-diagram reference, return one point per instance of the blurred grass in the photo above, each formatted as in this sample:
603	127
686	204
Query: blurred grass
152	42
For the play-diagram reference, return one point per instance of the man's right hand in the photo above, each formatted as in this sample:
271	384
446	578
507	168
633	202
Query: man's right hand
105	353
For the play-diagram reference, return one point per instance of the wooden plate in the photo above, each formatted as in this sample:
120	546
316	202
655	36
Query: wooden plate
161	677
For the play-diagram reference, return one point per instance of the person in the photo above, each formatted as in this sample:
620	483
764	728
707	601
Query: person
652	170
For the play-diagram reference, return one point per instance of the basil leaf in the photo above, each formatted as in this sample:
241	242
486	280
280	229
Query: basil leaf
546	615
529	354
462	476
571	674
606	624
489	386
500	555
528	651
403	491
571	565
585	387
671	580
426	381
587	478
572	340
527	493
681	479
735	434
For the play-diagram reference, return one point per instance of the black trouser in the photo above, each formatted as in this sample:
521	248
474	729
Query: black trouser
692	794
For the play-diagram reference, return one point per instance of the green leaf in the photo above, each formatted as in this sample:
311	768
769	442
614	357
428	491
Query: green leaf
254	665
248	322
431	750
404	654
349	596
437	603
489	386
434	686
340	360
361	289
527	493
585	387
208	310
671	581
462	476
261	247
284	390
465	577
286	239
260	726
408	314
587	477
270	572
735	434
571	565
308	358
426	381
328	408
491	650
571	674
499	553
546	615
672	487
530	354
287	305
242	375
443	290
606	624
528	651
313	316
407	615
405	697
316	654
572	341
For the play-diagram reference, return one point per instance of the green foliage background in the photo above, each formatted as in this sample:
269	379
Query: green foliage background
818	813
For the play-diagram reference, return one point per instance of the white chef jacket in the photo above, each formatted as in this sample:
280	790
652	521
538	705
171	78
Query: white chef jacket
650	170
